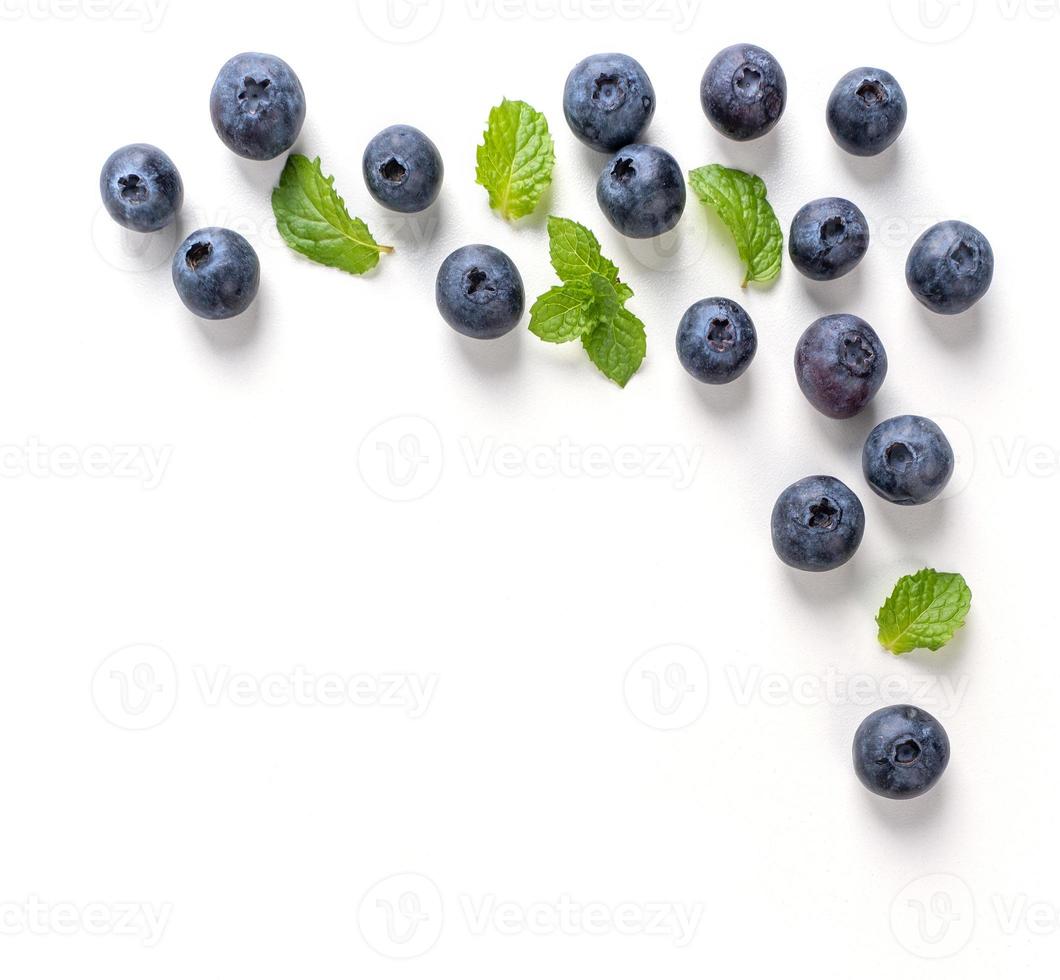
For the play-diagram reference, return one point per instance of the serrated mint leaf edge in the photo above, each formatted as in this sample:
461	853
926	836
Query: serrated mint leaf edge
529	125
708	193
297	170
908	637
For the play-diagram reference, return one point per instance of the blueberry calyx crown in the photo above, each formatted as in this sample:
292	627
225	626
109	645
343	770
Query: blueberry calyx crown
747	81
833	231
906	751
478	287
133	189
964	257
198	255
899	455
393	171
824	515
609	92
720	334
871	92
623	170
856	354
253	91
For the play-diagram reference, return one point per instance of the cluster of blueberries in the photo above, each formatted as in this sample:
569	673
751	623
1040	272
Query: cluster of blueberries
258	106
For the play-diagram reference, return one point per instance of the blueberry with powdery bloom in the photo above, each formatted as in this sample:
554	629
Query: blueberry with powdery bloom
608	100
907	460
403	169
744	92
642	191
141	187
900	752
716	341
840	364
829	237
257	106
950	267
479	292
866	111
817	524
216	273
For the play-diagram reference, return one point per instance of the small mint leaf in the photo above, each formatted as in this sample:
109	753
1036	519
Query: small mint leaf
924	611
740	201
575	252
564	313
516	159
617	346
313	219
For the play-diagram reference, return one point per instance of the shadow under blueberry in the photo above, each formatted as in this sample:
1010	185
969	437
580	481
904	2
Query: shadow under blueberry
725	399
234	336
839	294
491	358
890	165
898	817
964	331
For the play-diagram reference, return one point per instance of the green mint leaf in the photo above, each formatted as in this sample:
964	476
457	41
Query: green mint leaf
564	313
617	346
515	160
590	304
924	611
314	221
740	201
575	252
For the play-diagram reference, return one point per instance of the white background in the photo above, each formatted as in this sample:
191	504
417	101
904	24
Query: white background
545	546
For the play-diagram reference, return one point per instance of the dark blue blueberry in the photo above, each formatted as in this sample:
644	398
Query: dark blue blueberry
950	267
866	111
828	238
840	364
716	341
480	292
608	101
403	169
642	191
216	273
900	752
257	106
817	524
141	187
907	460
744	92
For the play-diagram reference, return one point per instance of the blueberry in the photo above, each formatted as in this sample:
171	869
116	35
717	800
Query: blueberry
828	238
216	273
403	169
642	191
257	106
608	101
840	364
950	267
141	187
907	460
900	752
817	524
743	92
480	292
866	111
716	341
